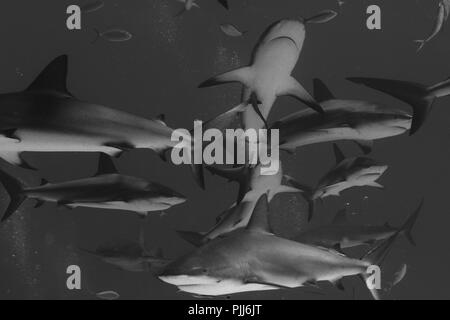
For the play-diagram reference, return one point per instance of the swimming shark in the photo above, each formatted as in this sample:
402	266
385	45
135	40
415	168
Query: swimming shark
420	97
252	186
130	257
269	74
351	120
254	259
348	173
342	235
106	190
46	117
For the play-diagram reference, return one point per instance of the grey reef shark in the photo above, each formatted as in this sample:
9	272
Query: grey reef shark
106	190
341	234
420	97
252	186
254	259
269	74
344	120
46	117
348	173
130	257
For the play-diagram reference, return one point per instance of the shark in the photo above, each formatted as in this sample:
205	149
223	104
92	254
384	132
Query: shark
344	120
130	257
252	186
348	173
420	97
342	235
254	259
46	117
269	74
106	190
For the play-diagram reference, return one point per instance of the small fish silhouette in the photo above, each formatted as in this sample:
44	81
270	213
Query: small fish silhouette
231	30
113	35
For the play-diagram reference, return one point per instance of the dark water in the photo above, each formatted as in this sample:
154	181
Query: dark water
158	72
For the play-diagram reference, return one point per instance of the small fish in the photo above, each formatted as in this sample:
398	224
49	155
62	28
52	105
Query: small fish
92	6
231	30
114	35
443	13
108	295
188	5
400	275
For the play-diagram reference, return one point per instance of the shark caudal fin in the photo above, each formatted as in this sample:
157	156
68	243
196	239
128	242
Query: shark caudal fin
307	194
418	96
406	230
421	44
376	257
197	239
14	187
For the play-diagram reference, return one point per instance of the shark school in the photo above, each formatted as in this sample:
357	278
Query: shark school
228	147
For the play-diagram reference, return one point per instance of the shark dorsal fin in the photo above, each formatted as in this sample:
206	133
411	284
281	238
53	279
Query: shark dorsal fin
338	154
105	165
321	91
341	217
260	218
53	78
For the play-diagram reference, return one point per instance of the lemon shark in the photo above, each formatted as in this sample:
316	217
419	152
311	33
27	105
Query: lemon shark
254	259
46	117
344	120
252	186
106	190
269	74
420	97
342	235
348	173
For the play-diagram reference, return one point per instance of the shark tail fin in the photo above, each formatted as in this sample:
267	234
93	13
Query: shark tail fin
14	188
376	257
418	96
197	239
421	44
410	223
307	194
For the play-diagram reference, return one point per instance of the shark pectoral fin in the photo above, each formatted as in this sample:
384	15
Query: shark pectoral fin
321	91
257	280
105	165
376	185
293	88
121	147
338	154
53	78
365	145
10	134
241	75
